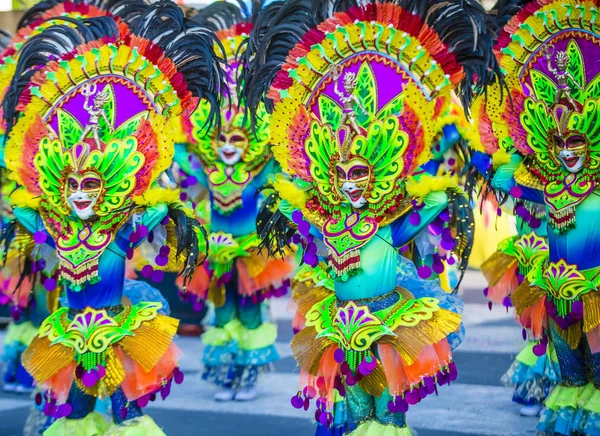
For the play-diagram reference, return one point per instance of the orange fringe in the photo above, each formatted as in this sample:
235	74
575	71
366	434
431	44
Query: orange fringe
139	382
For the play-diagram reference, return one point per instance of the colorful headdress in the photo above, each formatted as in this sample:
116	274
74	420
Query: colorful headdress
49	13
361	89
548	52
232	25
91	109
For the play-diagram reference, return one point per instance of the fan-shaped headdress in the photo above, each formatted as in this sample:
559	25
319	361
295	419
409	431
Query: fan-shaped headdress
361	88
232	25
548	50
97	111
51	12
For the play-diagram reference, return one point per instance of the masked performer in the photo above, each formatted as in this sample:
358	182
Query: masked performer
234	164
353	194
545	127
97	200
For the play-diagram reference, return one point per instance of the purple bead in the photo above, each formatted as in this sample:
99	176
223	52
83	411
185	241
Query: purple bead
424	271
304	228
38	398
143	401
178	376
161	260
535	223
142	231
50	284
157	276
297	216
306	405
415	219
164	250
134	237
40	237
123	412
297	402
147	271
339	355
516	192
101	371
436	227
412	397
130	253
89	378
444	215
401	405
452	371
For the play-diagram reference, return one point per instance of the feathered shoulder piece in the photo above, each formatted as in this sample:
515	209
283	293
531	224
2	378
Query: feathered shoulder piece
356	90
550	113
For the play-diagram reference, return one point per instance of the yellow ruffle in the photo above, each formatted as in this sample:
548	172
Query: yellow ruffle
290	192
375	428
421	186
93	424
247	339
22	333
142	426
154	196
496	266
22	198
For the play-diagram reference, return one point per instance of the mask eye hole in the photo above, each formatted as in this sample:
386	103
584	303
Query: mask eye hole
236	139
341	174
91	184
575	142
73	184
559	142
359	173
222	138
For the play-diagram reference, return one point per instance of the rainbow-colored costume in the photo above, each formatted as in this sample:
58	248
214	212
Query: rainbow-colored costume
543	119
354	96
89	134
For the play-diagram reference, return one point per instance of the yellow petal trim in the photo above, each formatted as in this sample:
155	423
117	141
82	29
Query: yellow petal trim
22	198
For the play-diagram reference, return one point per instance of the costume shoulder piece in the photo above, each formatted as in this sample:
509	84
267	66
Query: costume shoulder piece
550	113
232	156
90	129
355	108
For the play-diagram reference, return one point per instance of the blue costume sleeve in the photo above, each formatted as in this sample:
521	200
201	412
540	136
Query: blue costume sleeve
29	218
481	162
403	231
181	158
504	180
150	218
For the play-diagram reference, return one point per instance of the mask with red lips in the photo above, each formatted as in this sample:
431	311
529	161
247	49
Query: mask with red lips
571	151
82	193
352	179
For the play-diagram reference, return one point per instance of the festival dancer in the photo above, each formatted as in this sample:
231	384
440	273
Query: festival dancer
26	297
545	128
353	196
97	202
235	162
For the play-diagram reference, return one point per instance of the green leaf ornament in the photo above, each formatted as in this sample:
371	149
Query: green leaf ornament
543	86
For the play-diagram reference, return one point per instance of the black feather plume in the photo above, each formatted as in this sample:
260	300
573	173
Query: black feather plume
274	229
187	241
190	47
462	221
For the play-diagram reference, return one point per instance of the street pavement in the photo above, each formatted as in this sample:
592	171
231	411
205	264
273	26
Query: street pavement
476	404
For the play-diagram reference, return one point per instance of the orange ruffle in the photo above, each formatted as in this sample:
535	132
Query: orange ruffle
401	377
61	382
138	382
505	286
534	318
273	271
